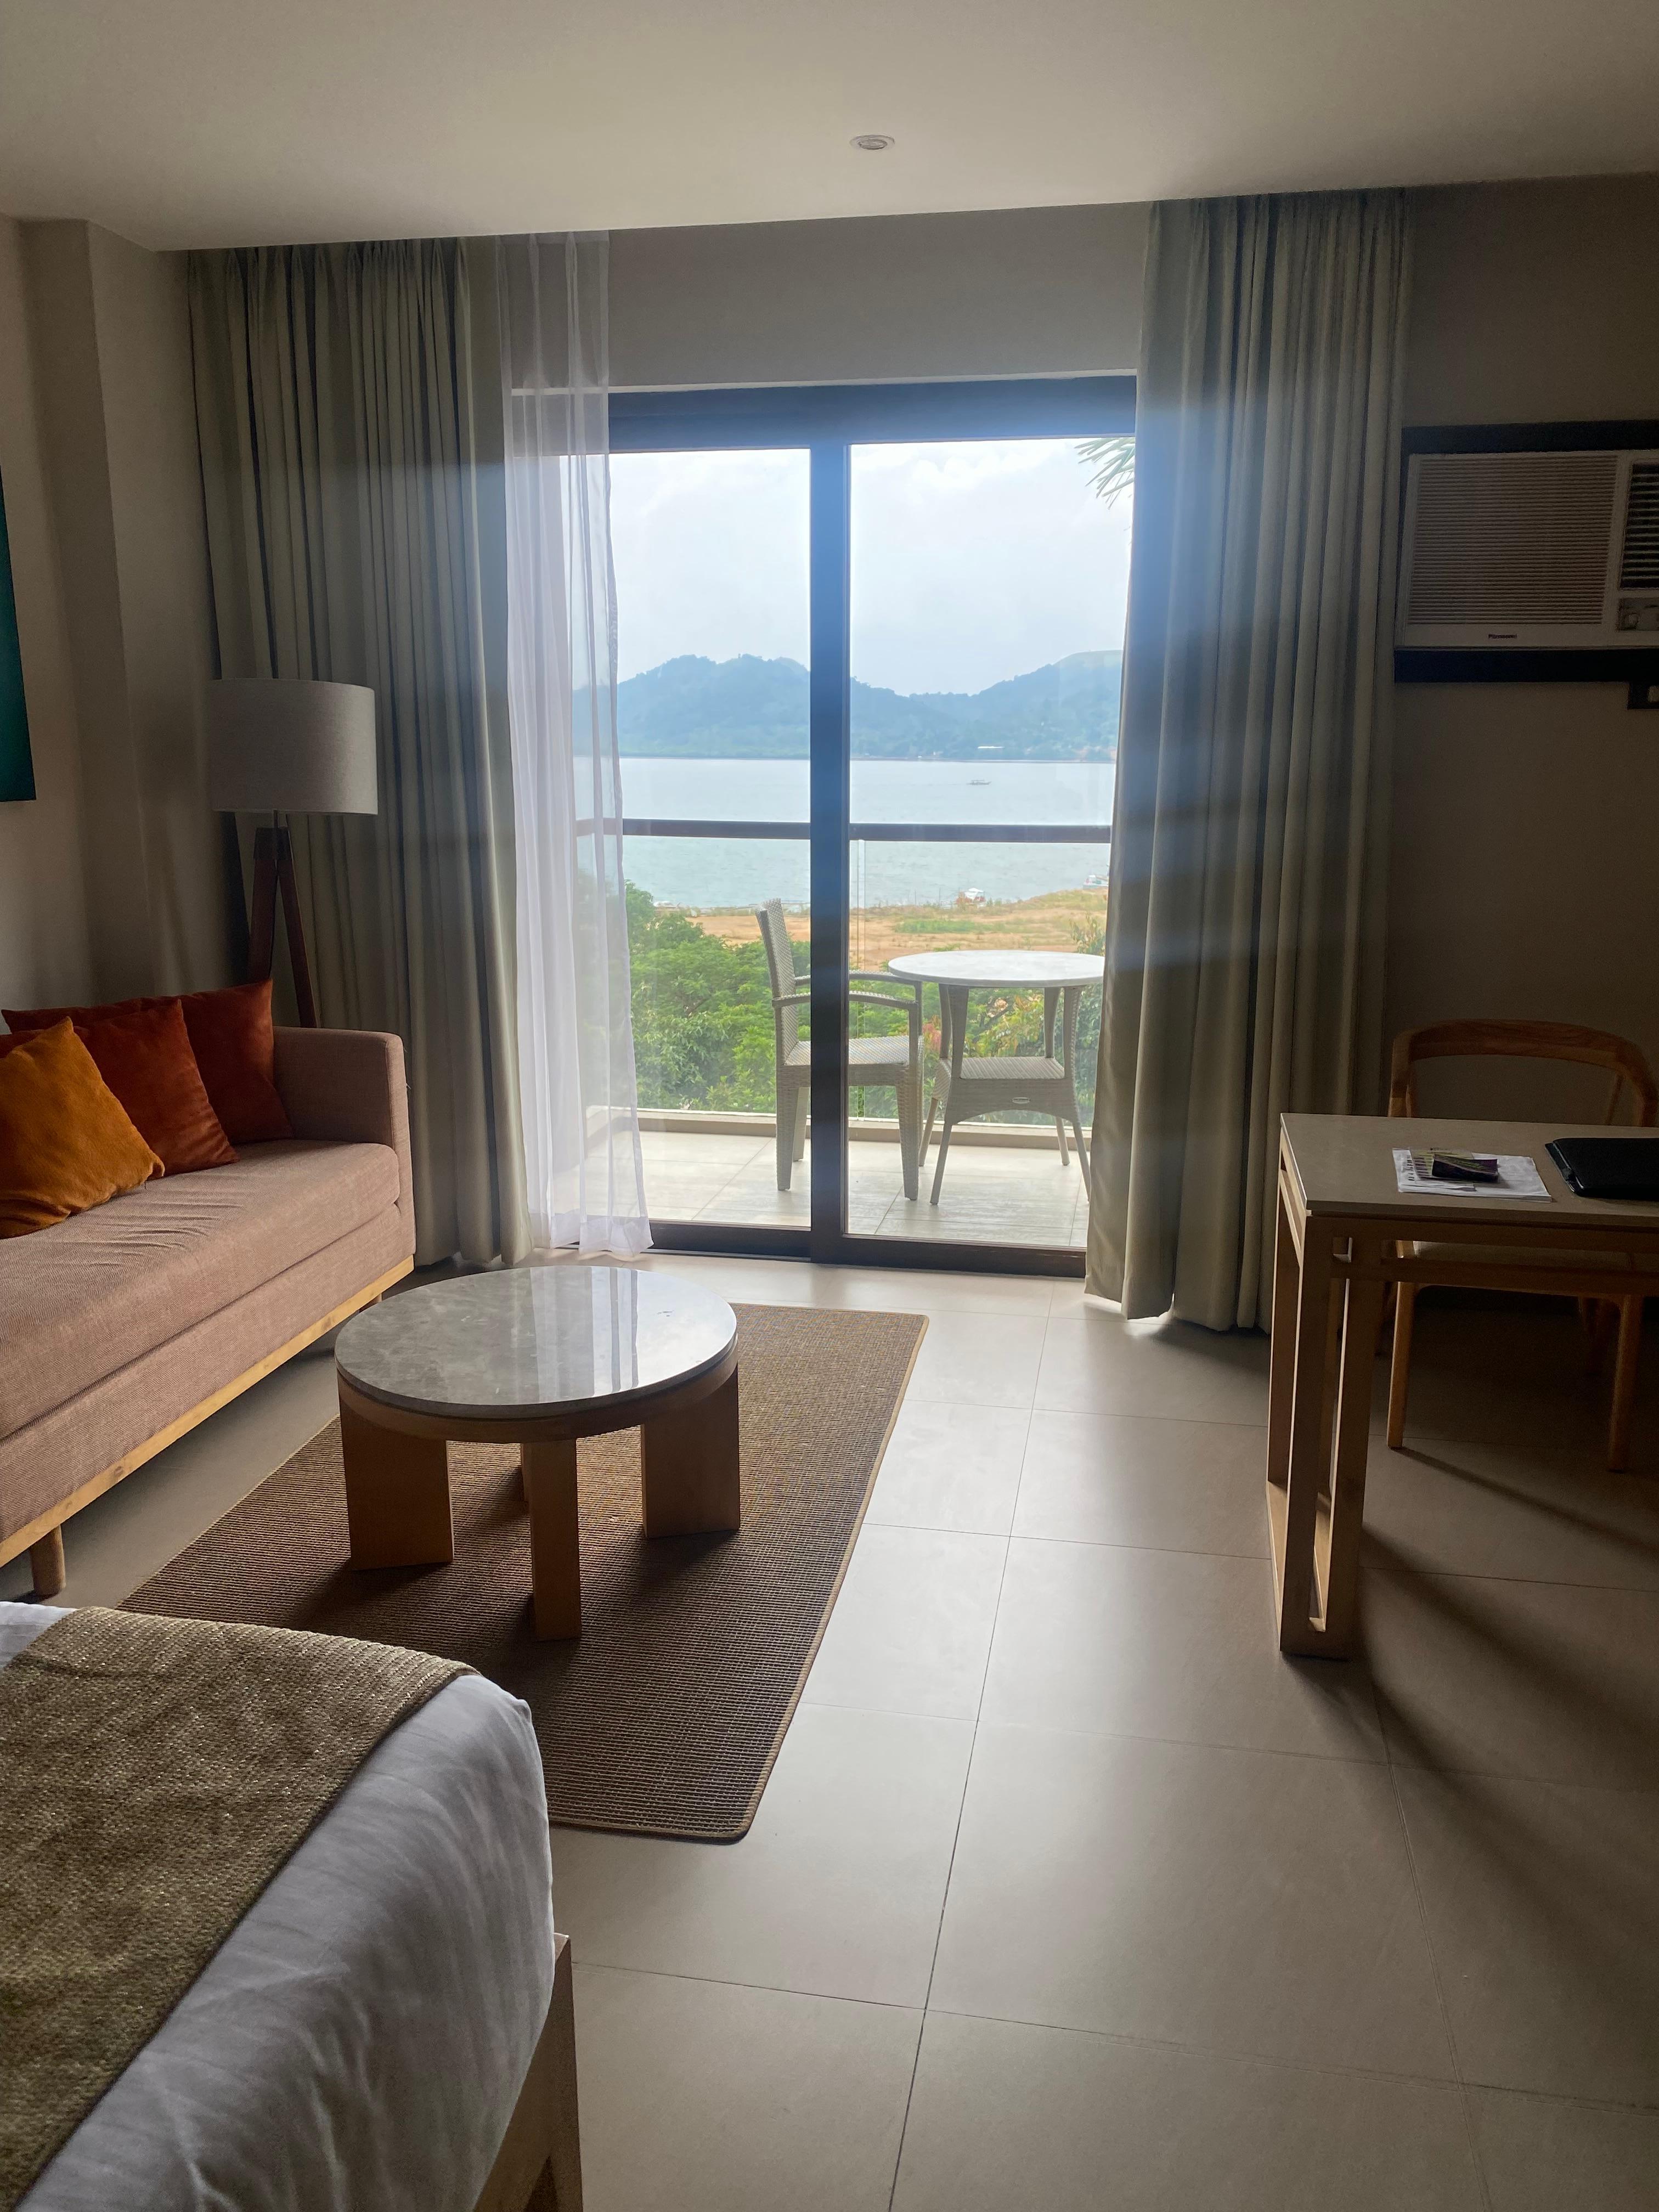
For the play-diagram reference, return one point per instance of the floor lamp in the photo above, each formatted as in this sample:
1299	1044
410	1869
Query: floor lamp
282	746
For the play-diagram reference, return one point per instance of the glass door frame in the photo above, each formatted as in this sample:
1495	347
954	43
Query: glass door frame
827	420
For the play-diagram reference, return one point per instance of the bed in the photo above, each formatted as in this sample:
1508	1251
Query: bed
386	2027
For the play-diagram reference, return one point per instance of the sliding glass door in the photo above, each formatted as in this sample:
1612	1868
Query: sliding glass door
870	645
988	590
712	555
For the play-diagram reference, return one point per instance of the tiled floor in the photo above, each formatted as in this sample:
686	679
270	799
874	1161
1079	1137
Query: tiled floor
992	1194
1068	1892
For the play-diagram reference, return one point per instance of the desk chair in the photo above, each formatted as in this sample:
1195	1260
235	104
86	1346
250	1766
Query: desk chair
1495	1269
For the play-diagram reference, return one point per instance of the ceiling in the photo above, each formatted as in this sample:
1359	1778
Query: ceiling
218	121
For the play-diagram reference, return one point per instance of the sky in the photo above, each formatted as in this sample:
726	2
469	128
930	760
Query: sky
971	562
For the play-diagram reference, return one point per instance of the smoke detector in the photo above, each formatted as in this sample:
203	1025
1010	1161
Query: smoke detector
872	141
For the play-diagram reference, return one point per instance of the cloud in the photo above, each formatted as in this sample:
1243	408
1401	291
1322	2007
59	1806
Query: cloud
971	562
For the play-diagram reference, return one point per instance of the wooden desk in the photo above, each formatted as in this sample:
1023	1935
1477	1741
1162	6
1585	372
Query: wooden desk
1342	1221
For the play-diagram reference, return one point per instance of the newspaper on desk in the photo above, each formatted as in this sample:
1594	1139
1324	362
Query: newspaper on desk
1517	1177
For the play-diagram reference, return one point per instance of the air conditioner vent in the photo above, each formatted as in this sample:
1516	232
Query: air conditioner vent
1513	540
1638	567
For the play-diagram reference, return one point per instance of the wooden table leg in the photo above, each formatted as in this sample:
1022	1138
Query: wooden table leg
1304	1473
689	1476
549	1473
1623	1382
1339	1615
396	1490
1282	1374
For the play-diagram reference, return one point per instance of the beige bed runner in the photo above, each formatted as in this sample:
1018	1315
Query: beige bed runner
157	1773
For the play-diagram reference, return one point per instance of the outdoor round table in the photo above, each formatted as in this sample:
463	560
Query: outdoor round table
964	1089
536	1356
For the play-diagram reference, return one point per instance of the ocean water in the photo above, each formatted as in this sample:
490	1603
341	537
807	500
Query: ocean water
722	872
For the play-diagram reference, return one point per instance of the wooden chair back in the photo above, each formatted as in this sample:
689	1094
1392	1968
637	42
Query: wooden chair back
1560	1040
780	960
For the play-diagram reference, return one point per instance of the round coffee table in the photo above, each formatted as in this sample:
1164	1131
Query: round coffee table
536	1356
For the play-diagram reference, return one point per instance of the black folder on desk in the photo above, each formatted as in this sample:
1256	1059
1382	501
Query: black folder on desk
1609	1167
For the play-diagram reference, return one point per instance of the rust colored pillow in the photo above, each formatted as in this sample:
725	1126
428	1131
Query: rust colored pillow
230	1034
66	1141
145	1058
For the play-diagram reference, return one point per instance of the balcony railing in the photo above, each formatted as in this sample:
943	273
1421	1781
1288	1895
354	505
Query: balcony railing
884	833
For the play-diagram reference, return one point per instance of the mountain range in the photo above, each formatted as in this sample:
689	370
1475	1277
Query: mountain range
753	709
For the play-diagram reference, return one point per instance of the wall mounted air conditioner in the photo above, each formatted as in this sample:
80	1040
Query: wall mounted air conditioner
1513	552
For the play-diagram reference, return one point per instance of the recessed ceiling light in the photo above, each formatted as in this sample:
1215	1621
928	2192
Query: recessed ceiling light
872	141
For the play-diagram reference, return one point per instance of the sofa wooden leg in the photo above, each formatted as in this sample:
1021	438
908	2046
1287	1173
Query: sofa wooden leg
47	1558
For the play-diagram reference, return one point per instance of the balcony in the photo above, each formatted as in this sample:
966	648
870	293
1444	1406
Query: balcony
1002	1185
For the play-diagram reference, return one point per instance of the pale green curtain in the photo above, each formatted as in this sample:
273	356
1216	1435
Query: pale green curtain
1245	918
345	469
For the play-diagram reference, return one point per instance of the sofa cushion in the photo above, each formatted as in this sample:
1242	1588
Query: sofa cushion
66	1141
80	1300
44	1461
231	1035
145	1058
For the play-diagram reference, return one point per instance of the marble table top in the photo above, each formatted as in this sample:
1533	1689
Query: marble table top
985	968
524	1341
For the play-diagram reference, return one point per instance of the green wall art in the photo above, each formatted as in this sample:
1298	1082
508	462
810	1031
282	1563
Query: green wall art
16	768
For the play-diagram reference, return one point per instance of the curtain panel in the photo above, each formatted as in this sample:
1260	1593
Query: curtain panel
584	1174
1244	931
350	432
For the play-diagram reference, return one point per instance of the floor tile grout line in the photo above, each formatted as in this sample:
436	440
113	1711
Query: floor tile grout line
719	1190
939	1933
1142	1735
1230	2055
728	1982
1163	1551
1181	1743
955	1837
1519	1581
1226	2053
1467	2109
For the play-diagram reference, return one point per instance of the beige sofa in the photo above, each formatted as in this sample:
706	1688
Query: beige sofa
122	1328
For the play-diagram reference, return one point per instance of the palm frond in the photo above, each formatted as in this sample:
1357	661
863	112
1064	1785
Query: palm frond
1114	463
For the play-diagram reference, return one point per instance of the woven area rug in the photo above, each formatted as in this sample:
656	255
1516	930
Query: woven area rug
664	1716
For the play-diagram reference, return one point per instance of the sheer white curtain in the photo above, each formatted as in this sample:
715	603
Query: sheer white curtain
584	1180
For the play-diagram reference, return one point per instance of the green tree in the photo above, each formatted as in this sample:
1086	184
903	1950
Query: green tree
703	1032
702	1013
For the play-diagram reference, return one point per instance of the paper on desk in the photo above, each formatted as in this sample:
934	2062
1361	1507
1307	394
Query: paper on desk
1517	1177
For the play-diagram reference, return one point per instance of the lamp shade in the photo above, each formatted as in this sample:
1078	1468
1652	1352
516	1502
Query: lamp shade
282	744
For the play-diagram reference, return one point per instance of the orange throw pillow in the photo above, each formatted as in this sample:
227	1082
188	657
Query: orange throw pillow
145	1056
230	1033
66	1141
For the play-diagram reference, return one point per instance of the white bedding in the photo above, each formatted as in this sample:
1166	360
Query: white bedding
357	2043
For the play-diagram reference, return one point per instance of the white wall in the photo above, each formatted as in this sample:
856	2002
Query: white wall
1028	292
113	616
44	952
142	322
1526	835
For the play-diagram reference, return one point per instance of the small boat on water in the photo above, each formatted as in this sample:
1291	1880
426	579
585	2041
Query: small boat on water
979	783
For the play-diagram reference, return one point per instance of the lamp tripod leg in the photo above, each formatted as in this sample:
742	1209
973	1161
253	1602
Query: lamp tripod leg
273	879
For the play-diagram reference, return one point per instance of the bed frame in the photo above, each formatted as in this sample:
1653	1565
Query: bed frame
539	2167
